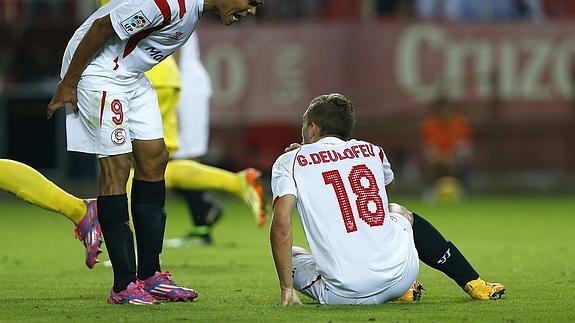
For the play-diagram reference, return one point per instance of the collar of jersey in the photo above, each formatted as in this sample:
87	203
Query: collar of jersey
330	140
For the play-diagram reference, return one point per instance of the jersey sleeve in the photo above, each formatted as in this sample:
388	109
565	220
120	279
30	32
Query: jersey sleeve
282	177
387	172
135	16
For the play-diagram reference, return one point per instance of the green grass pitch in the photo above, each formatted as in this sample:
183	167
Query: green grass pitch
527	243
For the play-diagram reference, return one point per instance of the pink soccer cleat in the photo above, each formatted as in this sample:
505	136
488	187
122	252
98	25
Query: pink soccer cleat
88	231
161	287
133	294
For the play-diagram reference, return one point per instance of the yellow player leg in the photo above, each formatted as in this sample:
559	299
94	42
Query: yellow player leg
31	186
191	175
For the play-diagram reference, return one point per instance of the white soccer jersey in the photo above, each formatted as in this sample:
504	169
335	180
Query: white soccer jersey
147	31
342	202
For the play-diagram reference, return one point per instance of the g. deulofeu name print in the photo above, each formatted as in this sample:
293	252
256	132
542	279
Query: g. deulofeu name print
330	156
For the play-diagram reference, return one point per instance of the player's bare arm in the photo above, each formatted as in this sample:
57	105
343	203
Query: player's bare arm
281	241
92	42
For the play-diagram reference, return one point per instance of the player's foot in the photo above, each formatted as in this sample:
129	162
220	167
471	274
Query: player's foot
133	294
413	294
189	241
161	287
252	193
88	231
482	290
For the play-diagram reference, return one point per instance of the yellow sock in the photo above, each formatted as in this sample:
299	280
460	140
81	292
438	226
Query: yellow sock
191	175
31	186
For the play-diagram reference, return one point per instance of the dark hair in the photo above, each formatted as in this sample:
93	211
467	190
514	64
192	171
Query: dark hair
333	113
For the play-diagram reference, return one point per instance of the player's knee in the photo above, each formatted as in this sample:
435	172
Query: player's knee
114	174
154	166
400	209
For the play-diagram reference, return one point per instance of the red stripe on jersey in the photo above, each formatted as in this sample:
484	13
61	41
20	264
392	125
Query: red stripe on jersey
165	9
134	40
182	4
116	62
102	104
381	154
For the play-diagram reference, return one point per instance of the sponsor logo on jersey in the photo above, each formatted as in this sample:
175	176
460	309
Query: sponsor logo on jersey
155	53
119	136
136	22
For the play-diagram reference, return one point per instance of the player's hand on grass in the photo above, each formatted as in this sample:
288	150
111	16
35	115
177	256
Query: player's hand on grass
65	93
291	147
289	297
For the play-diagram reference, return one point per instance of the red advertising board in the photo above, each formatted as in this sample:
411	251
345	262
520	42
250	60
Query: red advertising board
269	73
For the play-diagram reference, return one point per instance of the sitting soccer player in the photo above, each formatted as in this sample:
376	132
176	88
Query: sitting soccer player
364	250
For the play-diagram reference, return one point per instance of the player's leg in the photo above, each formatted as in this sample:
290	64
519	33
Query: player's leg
148	201
306	278
148	196
193	132
437	252
415	290
191	175
199	206
101	127
31	186
204	213
114	218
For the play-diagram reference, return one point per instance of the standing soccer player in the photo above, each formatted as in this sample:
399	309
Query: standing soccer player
114	114
364	250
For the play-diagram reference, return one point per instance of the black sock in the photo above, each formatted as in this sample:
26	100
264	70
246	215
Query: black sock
441	254
115	223
149	217
199	206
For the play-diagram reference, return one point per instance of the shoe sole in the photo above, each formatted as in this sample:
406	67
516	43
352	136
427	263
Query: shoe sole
132	302
162	298
96	251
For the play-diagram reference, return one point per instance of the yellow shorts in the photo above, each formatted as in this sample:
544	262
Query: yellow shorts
168	101
165	78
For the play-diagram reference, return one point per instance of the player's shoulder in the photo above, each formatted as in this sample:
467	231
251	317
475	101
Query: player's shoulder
377	149
353	142
286	159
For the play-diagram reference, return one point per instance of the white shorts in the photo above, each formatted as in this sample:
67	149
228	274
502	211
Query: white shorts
308	281
107	121
193	126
